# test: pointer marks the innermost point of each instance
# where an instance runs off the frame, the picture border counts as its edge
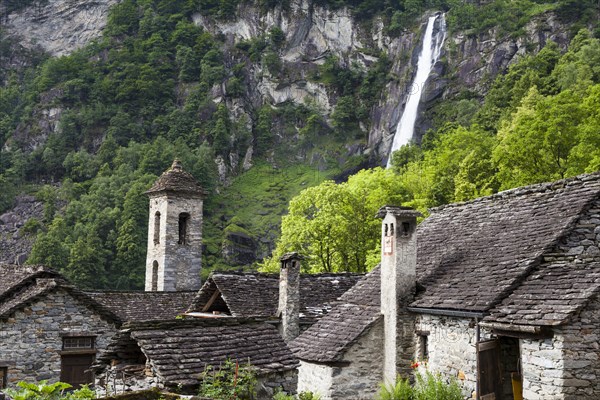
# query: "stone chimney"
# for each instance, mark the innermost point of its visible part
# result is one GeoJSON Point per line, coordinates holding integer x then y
{"type": "Point", "coordinates": [289, 296]}
{"type": "Point", "coordinates": [398, 284]}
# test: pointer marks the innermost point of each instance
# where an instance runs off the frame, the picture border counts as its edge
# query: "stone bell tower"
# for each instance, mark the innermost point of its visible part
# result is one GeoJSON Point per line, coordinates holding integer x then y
{"type": "Point", "coordinates": [173, 260]}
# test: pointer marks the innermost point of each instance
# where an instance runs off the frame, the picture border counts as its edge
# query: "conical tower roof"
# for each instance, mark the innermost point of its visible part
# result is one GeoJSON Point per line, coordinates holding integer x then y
{"type": "Point", "coordinates": [176, 180]}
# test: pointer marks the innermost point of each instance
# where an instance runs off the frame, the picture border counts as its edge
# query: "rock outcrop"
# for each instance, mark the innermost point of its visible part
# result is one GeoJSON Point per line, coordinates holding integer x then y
{"type": "Point", "coordinates": [468, 63]}
{"type": "Point", "coordinates": [15, 243]}
{"type": "Point", "coordinates": [59, 26]}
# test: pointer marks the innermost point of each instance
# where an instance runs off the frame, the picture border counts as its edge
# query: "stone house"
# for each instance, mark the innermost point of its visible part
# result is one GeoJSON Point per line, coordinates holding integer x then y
{"type": "Point", "coordinates": [500, 293]}
{"type": "Point", "coordinates": [174, 354]}
{"type": "Point", "coordinates": [50, 330]}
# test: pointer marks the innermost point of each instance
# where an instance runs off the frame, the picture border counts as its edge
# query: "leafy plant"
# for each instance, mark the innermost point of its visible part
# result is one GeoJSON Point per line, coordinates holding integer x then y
{"type": "Point", "coordinates": [49, 391]}
{"type": "Point", "coordinates": [309, 396]}
{"type": "Point", "coordinates": [228, 381]}
{"type": "Point", "coordinates": [427, 387]}
{"type": "Point", "coordinates": [400, 390]}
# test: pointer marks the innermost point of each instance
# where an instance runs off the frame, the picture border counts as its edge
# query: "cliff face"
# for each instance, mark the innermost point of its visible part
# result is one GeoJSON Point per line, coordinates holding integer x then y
{"type": "Point", "coordinates": [468, 63]}
{"type": "Point", "coordinates": [59, 26]}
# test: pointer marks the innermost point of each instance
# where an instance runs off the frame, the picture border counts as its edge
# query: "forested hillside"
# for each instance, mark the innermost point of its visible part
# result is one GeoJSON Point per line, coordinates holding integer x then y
{"type": "Point", "coordinates": [87, 133]}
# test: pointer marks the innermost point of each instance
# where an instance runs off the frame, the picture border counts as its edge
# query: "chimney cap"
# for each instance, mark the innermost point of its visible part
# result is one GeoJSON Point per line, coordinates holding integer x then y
{"type": "Point", "coordinates": [398, 211]}
{"type": "Point", "coordinates": [292, 256]}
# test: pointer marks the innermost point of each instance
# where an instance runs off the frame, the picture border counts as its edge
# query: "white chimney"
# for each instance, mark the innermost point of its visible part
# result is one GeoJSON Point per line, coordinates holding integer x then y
{"type": "Point", "coordinates": [398, 284]}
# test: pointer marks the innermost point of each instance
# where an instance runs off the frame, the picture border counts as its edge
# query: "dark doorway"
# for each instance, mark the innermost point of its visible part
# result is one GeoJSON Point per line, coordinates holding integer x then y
{"type": "Point", "coordinates": [75, 369]}
{"type": "Point", "coordinates": [3, 377]}
{"type": "Point", "coordinates": [510, 363]}
{"type": "Point", "coordinates": [489, 376]}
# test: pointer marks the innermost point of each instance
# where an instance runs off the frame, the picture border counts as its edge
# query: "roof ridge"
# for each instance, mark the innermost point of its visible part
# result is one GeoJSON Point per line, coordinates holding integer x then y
{"type": "Point", "coordinates": [524, 190]}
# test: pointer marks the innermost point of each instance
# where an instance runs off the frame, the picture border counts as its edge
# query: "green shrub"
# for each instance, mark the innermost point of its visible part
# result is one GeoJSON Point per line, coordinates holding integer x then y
{"type": "Point", "coordinates": [283, 396]}
{"type": "Point", "coordinates": [33, 225]}
{"type": "Point", "coordinates": [309, 396]}
{"type": "Point", "coordinates": [427, 387]}
{"type": "Point", "coordinates": [229, 381]}
{"type": "Point", "coordinates": [49, 391]}
{"type": "Point", "coordinates": [401, 390]}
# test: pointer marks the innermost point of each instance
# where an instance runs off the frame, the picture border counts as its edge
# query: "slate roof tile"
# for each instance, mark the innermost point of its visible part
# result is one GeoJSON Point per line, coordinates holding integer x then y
{"type": "Point", "coordinates": [12, 277]}
{"type": "Point", "coordinates": [550, 296]}
{"type": "Point", "coordinates": [180, 350]}
{"type": "Point", "coordinates": [257, 295]}
{"type": "Point", "coordinates": [470, 255]}
{"type": "Point", "coordinates": [177, 180]}
{"type": "Point", "coordinates": [144, 306]}
{"type": "Point", "coordinates": [328, 338]}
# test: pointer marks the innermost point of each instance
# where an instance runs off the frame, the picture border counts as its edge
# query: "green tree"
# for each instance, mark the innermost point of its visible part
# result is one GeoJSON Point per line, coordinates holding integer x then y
{"type": "Point", "coordinates": [334, 224]}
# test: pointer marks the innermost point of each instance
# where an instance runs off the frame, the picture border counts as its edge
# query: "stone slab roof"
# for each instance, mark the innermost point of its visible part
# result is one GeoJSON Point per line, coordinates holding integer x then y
{"type": "Point", "coordinates": [177, 180]}
{"type": "Point", "coordinates": [257, 295]}
{"type": "Point", "coordinates": [38, 288]}
{"type": "Point", "coordinates": [12, 277]}
{"type": "Point", "coordinates": [180, 350]}
{"type": "Point", "coordinates": [472, 255]}
{"type": "Point", "coordinates": [332, 335]}
{"type": "Point", "coordinates": [550, 296]}
{"type": "Point", "coordinates": [145, 306]}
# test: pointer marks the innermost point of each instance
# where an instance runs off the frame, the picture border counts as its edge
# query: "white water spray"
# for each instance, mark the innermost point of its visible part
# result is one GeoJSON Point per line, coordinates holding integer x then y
{"type": "Point", "coordinates": [432, 47]}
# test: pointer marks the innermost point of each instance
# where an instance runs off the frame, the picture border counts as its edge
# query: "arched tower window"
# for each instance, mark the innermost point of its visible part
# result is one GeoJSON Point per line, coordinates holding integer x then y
{"type": "Point", "coordinates": [184, 219]}
{"type": "Point", "coordinates": [154, 276]}
{"type": "Point", "coordinates": [157, 228]}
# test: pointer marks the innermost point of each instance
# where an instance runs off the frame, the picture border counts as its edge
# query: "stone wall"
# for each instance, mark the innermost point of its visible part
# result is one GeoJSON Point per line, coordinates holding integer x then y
{"type": "Point", "coordinates": [317, 378]}
{"type": "Point", "coordinates": [451, 348]}
{"type": "Point", "coordinates": [269, 384]}
{"type": "Point", "coordinates": [566, 366]}
{"type": "Point", "coordinates": [31, 340]}
{"type": "Point", "coordinates": [542, 365]}
{"type": "Point", "coordinates": [357, 376]}
{"type": "Point", "coordinates": [361, 378]}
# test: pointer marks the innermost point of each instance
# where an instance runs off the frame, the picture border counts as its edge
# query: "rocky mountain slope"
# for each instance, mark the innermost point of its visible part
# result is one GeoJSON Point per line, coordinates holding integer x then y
{"type": "Point", "coordinates": [313, 33]}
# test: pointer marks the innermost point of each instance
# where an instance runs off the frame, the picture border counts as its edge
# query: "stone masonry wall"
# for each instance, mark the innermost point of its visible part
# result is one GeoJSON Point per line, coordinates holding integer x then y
{"type": "Point", "coordinates": [568, 365]}
{"type": "Point", "coordinates": [361, 378]}
{"type": "Point", "coordinates": [317, 378]}
{"type": "Point", "coordinates": [542, 366]}
{"type": "Point", "coordinates": [269, 384]}
{"type": "Point", "coordinates": [356, 377]}
{"type": "Point", "coordinates": [31, 340]}
{"type": "Point", "coordinates": [451, 347]}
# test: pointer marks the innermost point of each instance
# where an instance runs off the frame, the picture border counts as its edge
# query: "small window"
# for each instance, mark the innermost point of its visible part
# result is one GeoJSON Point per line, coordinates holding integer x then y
{"type": "Point", "coordinates": [423, 347]}
{"type": "Point", "coordinates": [157, 228]}
{"type": "Point", "coordinates": [183, 228]}
{"type": "Point", "coordinates": [154, 276]}
{"type": "Point", "coordinates": [78, 343]}
{"type": "Point", "coordinates": [3, 377]}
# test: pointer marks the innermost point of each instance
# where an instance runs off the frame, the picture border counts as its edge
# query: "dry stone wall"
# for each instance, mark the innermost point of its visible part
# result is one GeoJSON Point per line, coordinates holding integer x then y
{"type": "Point", "coordinates": [31, 340]}
{"type": "Point", "coordinates": [451, 349]}
{"type": "Point", "coordinates": [567, 366]}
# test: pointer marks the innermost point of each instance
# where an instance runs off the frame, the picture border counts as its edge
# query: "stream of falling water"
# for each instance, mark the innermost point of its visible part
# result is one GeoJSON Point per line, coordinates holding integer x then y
{"type": "Point", "coordinates": [432, 47]}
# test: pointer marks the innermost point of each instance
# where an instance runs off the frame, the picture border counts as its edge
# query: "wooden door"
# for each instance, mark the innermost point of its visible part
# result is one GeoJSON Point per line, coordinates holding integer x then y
{"type": "Point", "coordinates": [489, 374]}
{"type": "Point", "coordinates": [75, 369]}
{"type": "Point", "coordinates": [3, 377]}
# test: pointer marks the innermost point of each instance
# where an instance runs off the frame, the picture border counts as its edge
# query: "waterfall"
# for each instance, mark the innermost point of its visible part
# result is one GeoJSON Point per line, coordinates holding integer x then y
{"type": "Point", "coordinates": [432, 47]}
